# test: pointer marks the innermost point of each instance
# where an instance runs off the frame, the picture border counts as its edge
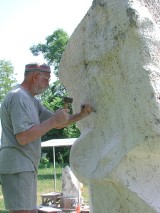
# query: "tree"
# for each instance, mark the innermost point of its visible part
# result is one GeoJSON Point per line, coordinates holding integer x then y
{"type": "Point", "coordinates": [53, 48]}
{"type": "Point", "coordinates": [7, 78]}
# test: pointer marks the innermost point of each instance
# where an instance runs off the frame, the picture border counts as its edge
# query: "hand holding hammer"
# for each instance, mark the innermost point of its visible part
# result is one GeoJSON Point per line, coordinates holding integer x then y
{"type": "Point", "coordinates": [86, 109]}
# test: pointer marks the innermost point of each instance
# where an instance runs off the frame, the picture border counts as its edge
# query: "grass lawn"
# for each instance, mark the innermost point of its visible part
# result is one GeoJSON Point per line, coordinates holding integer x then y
{"type": "Point", "coordinates": [46, 185]}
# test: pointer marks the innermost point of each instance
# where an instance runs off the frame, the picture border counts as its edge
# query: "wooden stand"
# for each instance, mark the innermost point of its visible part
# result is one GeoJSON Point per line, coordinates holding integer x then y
{"type": "Point", "coordinates": [54, 202]}
{"type": "Point", "coordinates": [51, 198]}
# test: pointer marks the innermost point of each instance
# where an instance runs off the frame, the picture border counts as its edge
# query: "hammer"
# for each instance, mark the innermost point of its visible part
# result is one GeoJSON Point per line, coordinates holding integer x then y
{"type": "Point", "coordinates": [67, 101]}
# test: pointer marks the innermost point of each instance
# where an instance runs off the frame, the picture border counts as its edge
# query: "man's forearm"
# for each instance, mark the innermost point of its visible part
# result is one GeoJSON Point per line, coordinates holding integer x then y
{"type": "Point", "coordinates": [36, 131]}
{"type": "Point", "coordinates": [73, 119]}
{"type": "Point", "coordinates": [59, 120]}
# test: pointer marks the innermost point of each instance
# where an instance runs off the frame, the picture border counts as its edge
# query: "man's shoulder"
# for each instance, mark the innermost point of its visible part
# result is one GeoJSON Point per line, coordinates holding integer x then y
{"type": "Point", "coordinates": [16, 95]}
{"type": "Point", "coordinates": [18, 92]}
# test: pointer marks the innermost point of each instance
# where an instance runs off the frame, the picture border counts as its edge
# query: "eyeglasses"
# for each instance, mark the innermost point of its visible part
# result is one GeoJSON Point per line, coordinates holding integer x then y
{"type": "Point", "coordinates": [48, 79]}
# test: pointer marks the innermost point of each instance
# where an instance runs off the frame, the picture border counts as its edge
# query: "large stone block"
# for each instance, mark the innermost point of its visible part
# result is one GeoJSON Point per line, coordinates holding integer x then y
{"type": "Point", "coordinates": [112, 61]}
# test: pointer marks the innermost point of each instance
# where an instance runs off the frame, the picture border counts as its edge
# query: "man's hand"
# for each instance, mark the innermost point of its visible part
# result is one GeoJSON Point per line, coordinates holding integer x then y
{"type": "Point", "coordinates": [86, 109]}
{"type": "Point", "coordinates": [61, 117]}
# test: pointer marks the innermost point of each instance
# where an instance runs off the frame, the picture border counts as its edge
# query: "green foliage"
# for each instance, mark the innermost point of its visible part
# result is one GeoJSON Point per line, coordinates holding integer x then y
{"type": "Point", "coordinates": [53, 48]}
{"type": "Point", "coordinates": [7, 78]}
{"type": "Point", "coordinates": [44, 160]}
{"type": "Point", "coordinates": [52, 98]}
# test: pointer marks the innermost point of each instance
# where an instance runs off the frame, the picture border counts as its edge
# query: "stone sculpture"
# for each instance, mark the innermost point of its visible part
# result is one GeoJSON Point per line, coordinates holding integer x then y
{"type": "Point", "coordinates": [71, 189]}
{"type": "Point", "coordinates": [70, 184]}
{"type": "Point", "coordinates": [112, 61]}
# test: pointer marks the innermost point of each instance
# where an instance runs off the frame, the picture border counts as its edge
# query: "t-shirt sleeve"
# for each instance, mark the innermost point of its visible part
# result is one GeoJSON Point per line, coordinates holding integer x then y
{"type": "Point", "coordinates": [21, 115]}
{"type": "Point", "coordinates": [44, 113]}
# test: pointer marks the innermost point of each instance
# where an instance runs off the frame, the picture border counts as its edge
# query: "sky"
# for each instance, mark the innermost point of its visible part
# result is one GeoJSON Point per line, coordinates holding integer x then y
{"type": "Point", "coordinates": [24, 23]}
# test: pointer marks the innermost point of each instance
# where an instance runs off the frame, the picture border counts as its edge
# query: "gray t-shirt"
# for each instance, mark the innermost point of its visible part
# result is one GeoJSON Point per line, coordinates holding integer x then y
{"type": "Point", "coordinates": [19, 112]}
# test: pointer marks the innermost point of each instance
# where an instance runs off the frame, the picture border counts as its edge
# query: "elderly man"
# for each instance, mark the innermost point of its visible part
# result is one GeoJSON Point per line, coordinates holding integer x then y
{"type": "Point", "coordinates": [24, 120]}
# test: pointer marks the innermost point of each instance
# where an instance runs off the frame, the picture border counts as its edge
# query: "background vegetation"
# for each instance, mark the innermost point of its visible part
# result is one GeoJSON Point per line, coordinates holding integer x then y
{"type": "Point", "coordinates": [7, 78]}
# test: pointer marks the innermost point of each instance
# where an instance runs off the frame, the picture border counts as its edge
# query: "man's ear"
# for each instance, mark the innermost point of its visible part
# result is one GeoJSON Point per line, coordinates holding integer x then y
{"type": "Point", "coordinates": [35, 76]}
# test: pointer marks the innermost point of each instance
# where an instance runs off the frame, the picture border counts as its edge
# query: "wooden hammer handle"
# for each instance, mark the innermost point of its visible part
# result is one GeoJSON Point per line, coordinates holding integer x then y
{"type": "Point", "coordinates": [65, 106]}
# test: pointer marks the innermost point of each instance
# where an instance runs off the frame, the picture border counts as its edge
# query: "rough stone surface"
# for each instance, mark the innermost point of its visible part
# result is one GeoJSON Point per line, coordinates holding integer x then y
{"type": "Point", "coordinates": [112, 62]}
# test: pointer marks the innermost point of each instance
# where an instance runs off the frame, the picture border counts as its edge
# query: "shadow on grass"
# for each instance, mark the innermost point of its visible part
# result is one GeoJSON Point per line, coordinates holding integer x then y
{"type": "Point", "coordinates": [48, 177]}
{"type": "Point", "coordinates": [4, 211]}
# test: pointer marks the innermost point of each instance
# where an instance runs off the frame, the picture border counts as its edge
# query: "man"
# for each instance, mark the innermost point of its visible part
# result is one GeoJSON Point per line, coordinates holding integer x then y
{"type": "Point", "coordinates": [24, 120]}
